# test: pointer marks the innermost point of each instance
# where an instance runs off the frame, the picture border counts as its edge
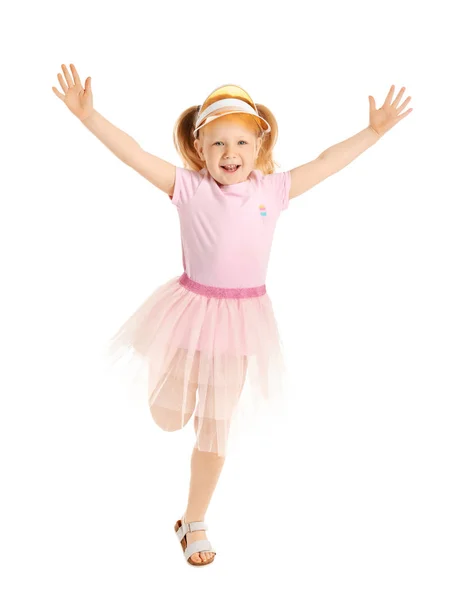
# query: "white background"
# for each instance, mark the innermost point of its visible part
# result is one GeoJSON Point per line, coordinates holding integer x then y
{"type": "Point", "coordinates": [348, 497]}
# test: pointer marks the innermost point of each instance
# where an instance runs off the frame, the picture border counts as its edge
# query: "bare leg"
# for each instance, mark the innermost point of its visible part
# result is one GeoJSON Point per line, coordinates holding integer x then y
{"type": "Point", "coordinates": [205, 471]}
{"type": "Point", "coordinates": [172, 399]}
{"type": "Point", "coordinates": [206, 466]}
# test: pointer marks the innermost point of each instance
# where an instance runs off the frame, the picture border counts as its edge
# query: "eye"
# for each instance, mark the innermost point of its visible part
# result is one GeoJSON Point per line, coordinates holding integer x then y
{"type": "Point", "coordinates": [222, 142]}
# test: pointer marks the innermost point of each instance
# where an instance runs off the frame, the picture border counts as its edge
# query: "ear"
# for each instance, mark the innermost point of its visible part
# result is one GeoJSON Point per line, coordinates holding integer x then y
{"type": "Point", "coordinates": [258, 144]}
{"type": "Point", "coordinates": [198, 147]}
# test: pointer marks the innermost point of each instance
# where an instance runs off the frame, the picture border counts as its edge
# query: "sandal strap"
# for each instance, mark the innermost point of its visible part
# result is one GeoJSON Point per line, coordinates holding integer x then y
{"type": "Point", "coordinates": [189, 527]}
{"type": "Point", "coordinates": [199, 546]}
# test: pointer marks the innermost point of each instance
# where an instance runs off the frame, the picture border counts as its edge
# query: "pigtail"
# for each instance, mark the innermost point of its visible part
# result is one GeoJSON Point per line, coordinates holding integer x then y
{"type": "Point", "coordinates": [183, 138]}
{"type": "Point", "coordinates": [265, 161]}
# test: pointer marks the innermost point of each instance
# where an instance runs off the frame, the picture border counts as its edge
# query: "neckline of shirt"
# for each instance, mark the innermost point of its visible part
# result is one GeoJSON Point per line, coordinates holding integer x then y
{"type": "Point", "coordinates": [229, 185]}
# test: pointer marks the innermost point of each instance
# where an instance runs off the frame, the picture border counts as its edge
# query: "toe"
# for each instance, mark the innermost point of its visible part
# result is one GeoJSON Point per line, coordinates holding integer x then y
{"type": "Point", "coordinates": [196, 557]}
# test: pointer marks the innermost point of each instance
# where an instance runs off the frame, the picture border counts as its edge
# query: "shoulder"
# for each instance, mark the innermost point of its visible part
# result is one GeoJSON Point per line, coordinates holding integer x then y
{"type": "Point", "coordinates": [187, 181]}
{"type": "Point", "coordinates": [190, 175]}
{"type": "Point", "coordinates": [275, 185]}
{"type": "Point", "coordinates": [271, 178]}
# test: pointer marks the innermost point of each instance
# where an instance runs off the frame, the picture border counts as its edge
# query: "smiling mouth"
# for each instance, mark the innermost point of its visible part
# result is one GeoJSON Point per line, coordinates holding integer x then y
{"type": "Point", "coordinates": [230, 170]}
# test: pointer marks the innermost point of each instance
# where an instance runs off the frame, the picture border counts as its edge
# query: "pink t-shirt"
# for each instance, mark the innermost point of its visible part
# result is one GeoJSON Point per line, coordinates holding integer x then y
{"type": "Point", "coordinates": [227, 230]}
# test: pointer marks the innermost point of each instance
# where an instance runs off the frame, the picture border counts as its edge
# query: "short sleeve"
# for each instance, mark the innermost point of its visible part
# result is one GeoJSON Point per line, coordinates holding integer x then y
{"type": "Point", "coordinates": [187, 182]}
{"type": "Point", "coordinates": [281, 187]}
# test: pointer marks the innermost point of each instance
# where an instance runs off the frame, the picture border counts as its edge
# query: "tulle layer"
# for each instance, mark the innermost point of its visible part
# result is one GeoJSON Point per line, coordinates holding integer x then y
{"type": "Point", "coordinates": [212, 353]}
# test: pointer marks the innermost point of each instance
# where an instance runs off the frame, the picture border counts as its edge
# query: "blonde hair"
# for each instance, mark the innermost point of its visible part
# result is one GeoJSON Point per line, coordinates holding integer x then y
{"type": "Point", "coordinates": [183, 137]}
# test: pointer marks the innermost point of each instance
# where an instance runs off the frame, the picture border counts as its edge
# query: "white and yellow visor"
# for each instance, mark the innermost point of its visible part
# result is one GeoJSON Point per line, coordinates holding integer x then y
{"type": "Point", "coordinates": [225, 100]}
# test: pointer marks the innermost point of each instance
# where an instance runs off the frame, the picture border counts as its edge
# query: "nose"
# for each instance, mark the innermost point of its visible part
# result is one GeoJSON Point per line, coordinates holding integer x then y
{"type": "Point", "coordinates": [229, 149]}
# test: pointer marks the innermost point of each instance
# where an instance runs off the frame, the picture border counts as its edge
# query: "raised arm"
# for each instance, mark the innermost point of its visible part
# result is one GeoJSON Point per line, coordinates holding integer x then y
{"type": "Point", "coordinates": [154, 169]}
{"type": "Point", "coordinates": [79, 100]}
{"type": "Point", "coordinates": [336, 157]}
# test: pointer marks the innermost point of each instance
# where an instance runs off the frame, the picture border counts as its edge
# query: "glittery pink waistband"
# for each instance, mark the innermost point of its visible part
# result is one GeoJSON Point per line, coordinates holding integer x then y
{"type": "Point", "coordinates": [217, 292]}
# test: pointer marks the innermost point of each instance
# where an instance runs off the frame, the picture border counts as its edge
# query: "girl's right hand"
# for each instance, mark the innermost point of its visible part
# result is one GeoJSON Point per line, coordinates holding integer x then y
{"type": "Point", "coordinates": [78, 100]}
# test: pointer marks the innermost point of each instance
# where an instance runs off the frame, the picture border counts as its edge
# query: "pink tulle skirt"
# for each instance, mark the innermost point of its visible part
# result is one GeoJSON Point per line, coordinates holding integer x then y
{"type": "Point", "coordinates": [207, 352]}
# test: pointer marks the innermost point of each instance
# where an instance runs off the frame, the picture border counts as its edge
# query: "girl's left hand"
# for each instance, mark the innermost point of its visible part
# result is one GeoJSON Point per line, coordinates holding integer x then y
{"type": "Point", "coordinates": [388, 115]}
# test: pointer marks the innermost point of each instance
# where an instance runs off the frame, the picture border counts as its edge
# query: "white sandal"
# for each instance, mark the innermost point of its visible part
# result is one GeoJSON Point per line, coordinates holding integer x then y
{"type": "Point", "coordinates": [181, 528]}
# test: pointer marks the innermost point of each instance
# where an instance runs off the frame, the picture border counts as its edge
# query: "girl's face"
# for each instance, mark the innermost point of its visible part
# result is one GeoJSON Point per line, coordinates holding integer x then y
{"type": "Point", "coordinates": [228, 141]}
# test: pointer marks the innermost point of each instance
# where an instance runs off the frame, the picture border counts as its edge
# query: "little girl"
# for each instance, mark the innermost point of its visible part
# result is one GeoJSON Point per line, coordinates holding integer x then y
{"type": "Point", "coordinates": [203, 334]}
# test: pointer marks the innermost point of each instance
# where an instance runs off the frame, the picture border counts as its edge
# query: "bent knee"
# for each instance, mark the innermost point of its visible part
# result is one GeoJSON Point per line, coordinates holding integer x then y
{"type": "Point", "coordinates": [169, 419]}
{"type": "Point", "coordinates": [171, 408]}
